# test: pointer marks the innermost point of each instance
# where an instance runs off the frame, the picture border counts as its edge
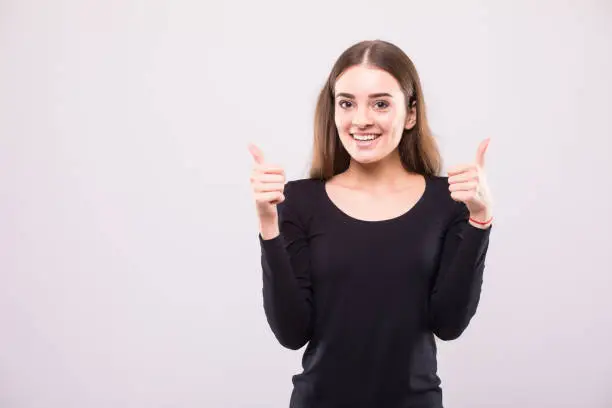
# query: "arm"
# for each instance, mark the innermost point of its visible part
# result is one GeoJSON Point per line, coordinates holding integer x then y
{"type": "Point", "coordinates": [287, 290]}
{"type": "Point", "coordinates": [458, 284]}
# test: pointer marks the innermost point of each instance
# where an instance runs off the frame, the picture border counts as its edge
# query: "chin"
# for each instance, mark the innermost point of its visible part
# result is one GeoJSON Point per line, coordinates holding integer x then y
{"type": "Point", "coordinates": [366, 158]}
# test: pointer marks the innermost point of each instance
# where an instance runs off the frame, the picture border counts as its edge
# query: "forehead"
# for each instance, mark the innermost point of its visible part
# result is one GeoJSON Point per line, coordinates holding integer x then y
{"type": "Point", "coordinates": [362, 80]}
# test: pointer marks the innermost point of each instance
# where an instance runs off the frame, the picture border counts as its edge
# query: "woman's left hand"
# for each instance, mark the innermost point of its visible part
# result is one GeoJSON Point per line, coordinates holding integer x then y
{"type": "Point", "coordinates": [468, 184]}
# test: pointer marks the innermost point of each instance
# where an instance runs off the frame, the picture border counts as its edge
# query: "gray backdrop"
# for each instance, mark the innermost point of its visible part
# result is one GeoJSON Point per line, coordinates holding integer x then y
{"type": "Point", "coordinates": [129, 260]}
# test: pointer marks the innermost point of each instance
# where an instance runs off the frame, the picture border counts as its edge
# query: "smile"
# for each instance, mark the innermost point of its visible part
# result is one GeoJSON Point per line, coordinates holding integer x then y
{"type": "Point", "coordinates": [365, 136]}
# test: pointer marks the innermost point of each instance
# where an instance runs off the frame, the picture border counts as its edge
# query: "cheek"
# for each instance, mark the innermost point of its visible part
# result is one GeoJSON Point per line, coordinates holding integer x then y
{"type": "Point", "coordinates": [397, 123]}
{"type": "Point", "coordinates": [388, 122]}
{"type": "Point", "coordinates": [342, 121]}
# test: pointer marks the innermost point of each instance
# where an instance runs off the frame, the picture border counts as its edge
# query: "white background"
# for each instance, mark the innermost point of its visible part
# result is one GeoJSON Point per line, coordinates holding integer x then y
{"type": "Point", "coordinates": [129, 260]}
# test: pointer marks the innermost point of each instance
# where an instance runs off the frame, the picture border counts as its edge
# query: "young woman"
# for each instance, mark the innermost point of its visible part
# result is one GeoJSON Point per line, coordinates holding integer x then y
{"type": "Point", "coordinates": [375, 253]}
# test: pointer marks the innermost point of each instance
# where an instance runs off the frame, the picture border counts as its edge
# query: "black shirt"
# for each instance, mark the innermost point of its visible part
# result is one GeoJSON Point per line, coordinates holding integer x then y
{"type": "Point", "coordinates": [368, 296]}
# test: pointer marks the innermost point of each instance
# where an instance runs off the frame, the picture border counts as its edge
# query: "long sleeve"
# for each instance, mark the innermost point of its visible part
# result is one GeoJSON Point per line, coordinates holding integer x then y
{"type": "Point", "coordinates": [456, 291]}
{"type": "Point", "coordinates": [287, 290]}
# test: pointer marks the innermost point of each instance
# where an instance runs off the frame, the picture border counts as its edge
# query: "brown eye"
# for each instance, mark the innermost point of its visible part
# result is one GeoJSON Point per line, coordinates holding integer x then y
{"type": "Point", "coordinates": [343, 104]}
{"type": "Point", "coordinates": [381, 105]}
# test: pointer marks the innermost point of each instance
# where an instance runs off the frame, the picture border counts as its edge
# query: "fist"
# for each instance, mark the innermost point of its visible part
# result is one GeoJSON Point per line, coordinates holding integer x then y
{"type": "Point", "coordinates": [267, 183]}
{"type": "Point", "coordinates": [468, 184]}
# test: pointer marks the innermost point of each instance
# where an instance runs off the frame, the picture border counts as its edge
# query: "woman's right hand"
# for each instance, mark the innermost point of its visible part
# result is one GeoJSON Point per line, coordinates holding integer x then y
{"type": "Point", "coordinates": [268, 184]}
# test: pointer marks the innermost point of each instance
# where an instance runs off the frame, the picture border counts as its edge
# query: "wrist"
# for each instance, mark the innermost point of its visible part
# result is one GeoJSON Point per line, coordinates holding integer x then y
{"type": "Point", "coordinates": [481, 220]}
{"type": "Point", "coordinates": [268, 227]}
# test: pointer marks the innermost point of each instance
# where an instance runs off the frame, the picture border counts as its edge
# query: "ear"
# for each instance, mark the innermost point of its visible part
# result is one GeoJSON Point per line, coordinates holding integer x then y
{"type": "Point", "coordinates": [411, 117]}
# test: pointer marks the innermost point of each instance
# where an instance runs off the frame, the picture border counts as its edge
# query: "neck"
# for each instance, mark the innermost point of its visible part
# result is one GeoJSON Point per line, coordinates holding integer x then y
{"type": "Point", "coordinates": [385, 174]}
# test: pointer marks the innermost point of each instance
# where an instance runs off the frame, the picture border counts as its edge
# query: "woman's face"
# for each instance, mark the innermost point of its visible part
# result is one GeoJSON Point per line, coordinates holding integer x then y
{"type": "Point", "coordinates": [370, 113]}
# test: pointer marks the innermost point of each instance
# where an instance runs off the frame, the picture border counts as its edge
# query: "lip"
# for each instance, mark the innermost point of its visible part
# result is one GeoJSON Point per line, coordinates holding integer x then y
{"type": "Point", "coordinates": [366, 145]}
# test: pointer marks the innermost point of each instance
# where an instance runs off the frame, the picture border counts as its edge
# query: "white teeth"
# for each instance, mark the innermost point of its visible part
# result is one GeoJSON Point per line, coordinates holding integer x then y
{"type": "Point", "coordinates": [365, 137]}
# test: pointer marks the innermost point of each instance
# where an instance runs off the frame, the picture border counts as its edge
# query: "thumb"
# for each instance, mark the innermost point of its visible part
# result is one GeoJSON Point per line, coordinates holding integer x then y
{"type": "Point", "coordinates": [257, 154]}
{"type": "Point", "coordinates": [482, 149]}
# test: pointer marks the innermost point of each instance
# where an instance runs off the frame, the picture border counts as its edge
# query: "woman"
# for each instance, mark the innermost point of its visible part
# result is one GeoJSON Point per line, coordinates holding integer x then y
{"type": "Point", "coordinates": [375, 253]}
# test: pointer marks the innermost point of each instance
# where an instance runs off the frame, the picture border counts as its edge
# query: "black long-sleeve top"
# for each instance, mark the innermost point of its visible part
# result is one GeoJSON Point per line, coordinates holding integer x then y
{"type": "Point", "coordinates": [369, 296]}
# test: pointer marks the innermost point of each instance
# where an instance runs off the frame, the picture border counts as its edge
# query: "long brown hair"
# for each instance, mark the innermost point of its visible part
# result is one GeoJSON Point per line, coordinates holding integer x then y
{"type": "Point", "coordinates": [418, 149]}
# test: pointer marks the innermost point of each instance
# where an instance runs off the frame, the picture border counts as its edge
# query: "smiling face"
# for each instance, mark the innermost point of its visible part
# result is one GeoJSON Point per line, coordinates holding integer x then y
{"type": "Point", "coordinates": [370, 113]}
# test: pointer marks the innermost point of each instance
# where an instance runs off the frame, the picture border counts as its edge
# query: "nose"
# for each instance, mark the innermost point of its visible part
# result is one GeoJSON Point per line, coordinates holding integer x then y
{"type": "Point", "coordinates": [361, 117]}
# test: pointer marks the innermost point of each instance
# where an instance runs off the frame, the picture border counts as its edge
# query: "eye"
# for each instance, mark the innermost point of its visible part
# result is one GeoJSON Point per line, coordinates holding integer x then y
{"type": "Point", "coordinates": [381, 104]}
{"type": "Point", "coordinates": [343, 104]}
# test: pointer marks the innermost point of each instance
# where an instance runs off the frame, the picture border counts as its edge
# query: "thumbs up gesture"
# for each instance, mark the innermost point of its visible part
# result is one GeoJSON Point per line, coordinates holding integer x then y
{"type": "Point", "coordinates": [468, 184]}
{"type": "Point", "coordinates": [268, 183]}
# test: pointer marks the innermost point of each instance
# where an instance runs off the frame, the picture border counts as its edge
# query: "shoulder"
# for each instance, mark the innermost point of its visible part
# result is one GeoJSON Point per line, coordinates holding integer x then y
{"type": "Point", "coordinates": [438, 187]}
{"type": "Point", "coordinates": [301, 196]}
{"type": "Point", "coordinates": [303, 190]}
{"type": "Point", "coordinates": [440, 197]}
{"type": "Point", "coordinates": [303, 186]}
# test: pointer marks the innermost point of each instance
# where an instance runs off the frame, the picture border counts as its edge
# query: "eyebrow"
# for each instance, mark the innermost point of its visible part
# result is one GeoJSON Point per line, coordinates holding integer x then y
{"type": "Point", "coordinates": [374, 95]}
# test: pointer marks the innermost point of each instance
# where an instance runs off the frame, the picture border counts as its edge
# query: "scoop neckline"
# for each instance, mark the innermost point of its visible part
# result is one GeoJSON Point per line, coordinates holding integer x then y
{"type": "Point", "coordinates": [399, 217]}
